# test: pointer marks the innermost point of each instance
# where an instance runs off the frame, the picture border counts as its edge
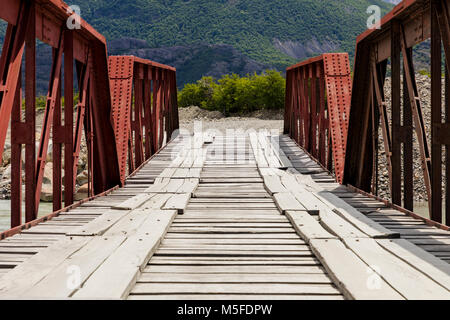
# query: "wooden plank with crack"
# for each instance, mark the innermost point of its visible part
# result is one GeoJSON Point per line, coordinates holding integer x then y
{"type": "Point", "coordinates": [58, 284]}
{"type": "Point", "coordinates": [307, 227]}
{"type": "Point", "coordinates": [356, 218]}
{"type": "Point", "coordinates": [339, 226]}
{"type": "Point", "coordinates": [168, 172]}
{"type": "Point", "coordinates": [408, 281]}
{"type": "Point", "coordinates": [194, 173]}
{"type": "Point", "coordinates": [178, 202]}
{"type": "Point", "coordinates": [189, 186]}
{"type": "Point", "coordinates": [158, 186]}
{"type": "Point", "coordinates": [100, 225]}
{"type": "Point", "coordinates": [349, 273]}
{"type": "Point", "coordinates": [418, 258]}
{"type": "Point", "coordinates": [308, 201]}
{"type": "Point", "coordinates": [115, 278]}
{"type": "Point", "coordinates": [279, 153]}
{"type": "Point", "coordinates": [158, 201]}
{"type": "Point", "coordinates": [19, 280]}
{"type": "Point", "coordinates": [287, 202]}
{"type": "Point", "coordinates": [134, 202]}
{"type": "Point", "coordinates": [273, 185]}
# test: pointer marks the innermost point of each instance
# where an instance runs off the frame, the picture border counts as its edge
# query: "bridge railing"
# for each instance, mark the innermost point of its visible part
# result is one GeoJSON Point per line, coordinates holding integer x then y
{"type": "Point", "coordinates": [144, 108]}
{"type": "Point", "coordinates": [127, 116]}
{"type": "Point", "coordinates": [79, 49]}
{"type": "Point", "coordinates": [318, 95]}
{"type": "Point", "coordinates": [410, 23]}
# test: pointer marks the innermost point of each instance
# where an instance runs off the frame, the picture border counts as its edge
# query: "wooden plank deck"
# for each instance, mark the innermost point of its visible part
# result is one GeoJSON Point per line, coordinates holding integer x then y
{"type": "Point", "coordinates": [229, 218]}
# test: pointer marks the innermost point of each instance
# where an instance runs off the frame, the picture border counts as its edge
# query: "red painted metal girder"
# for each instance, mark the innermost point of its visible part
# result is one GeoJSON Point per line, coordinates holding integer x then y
{"type": "Point", "coordinates": [318, 95]}
{"type": "Point", "coordinates": [45, 20]}
{"type": "Point", "coordinates": [339, 93]}
{"type": "Point", "coordinates": [408, 24]}
{"type": "Point", "coordinates": [144, 105]}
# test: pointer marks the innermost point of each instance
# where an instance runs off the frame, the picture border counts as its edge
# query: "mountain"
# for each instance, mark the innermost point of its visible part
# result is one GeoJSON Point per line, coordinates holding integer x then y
{"type": "Point", "coordinates": [260, 33]}
{"type": "Point", "coordinates": [213, 37]}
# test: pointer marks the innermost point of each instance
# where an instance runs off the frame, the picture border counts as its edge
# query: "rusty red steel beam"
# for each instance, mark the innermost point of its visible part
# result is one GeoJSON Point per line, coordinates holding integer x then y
{"type": "Point", "coordinates": [408, 24]}
{"type": "Point", "coordinates": [45, 20]}
{"type": "Point", "coordinates": [145, 111]}
{"type": "Point", "coordinates": [318, 94]}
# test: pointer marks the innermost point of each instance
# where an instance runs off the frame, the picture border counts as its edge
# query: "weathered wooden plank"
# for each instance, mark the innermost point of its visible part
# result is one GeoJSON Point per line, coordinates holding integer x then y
{"type": "Point", "coordinates": [116, 276]}
{"type": "Point", "coordinates": [266, 235]}
{"type": "Point", "coordinates": [194, 173]}
{"type": "Point", "coordinates": [130, 223]}
{"type": "Point", "coordinates": [256, 288]}
{"type": "Point", "coordinates": [173, 186]}
{"type": "Point", "coordinates": [230, 194]}
{"type": "Point", "coordinates": [359, 220]}
{"type": "Point", "coordinates": [349, 273]}
{"type": "Point", "coordinates": [134, 202]}
{"type": "Point", "coordinates": [168, 173]}
{"type": "Point", "coordinates": [420, 259]}
{"type": "Point", "coordinates": [19, 280]}
{"type": "Point", "coordinates": [181, 173]}
{"type": "Point", "coordinates": [231, 278]}
{"type": "Point", "coordinates": [178, 202]}
{"type": "Point", "coordinates": [234, 269]}
{"type": "Point", "coordinates": [273, 185]}
{"type": "Point", "coordinates": [307, 227]}
{"type": "Point", "coordinates": [226, 242]}
{"type": "Point", "coordinates": [287, 202]}
{"type": "Point", "coordinates": [279, 153]}
{"type": "Point", "coordinates": [306, 261]}
{"type": "Point", "coordinates": [235, 224]}
{"type": "Point", "coordinates": [232, 252]}
{"type": "Point", "coordinates": [189, 186]}
{"type": "Point", "coordinates": [311, 203]}
{"type": "Point", "coordinates": [81, 264]}
{"type": "Point", "coordinates": [408, 281]}
{"type": "Point", "coordinates": [100, 225]}
{"type": "Point", "coordinates": [338, 226]}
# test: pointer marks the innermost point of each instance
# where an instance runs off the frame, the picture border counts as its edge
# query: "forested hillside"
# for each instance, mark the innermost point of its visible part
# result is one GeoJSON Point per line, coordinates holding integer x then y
{"type": "Point", "coordinates": [217, 37]}
{"type": "Point", "coordinates": [273, 32]}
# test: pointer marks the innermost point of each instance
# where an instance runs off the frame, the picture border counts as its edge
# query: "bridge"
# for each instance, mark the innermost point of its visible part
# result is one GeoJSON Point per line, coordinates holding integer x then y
{"type": "Point", "coordinates": [209, 215]}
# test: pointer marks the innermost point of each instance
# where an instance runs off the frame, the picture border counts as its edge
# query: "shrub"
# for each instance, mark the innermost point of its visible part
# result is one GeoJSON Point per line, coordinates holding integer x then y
{"type": "Point", "coordinates": [235, 94]}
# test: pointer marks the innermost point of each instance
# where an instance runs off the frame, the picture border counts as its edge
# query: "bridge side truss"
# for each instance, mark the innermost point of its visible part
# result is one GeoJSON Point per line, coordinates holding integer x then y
{"type": "Point", "coordinates": [318, 95]}
{"type": "Point", "coordinates": [74, 53]}
{"type": "Point", "coordinates": [410, 23]}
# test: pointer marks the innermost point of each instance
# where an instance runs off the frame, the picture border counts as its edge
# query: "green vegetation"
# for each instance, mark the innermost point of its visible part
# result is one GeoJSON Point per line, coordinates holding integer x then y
{"type": "Point", "coordinates": [248, 25]}
{"type": "Point", "coordinates": [41, 101]}
{"type": "Point", "coordinates": [425, 73]}
{"type": "Point", "coordinates": [302, 27]}
{"type": "Point", "coordinates": [234, 94]}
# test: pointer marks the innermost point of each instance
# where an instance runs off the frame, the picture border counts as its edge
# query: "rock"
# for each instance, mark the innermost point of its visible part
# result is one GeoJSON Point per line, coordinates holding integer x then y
{"type": "Point", "coordinates": [82, 192]}
{"type": "Point", "coordinates": [7, 173]}
{"type": "Point", "coordinates": [6, 158]}
{"type": "Point", "coordinates": [82, 178]}
{"type": "Point", "coordinates": [47, 192]}
{"type": "Point", "coordinates": [48, 174]}
{"type": "Point", "coordinates": [49, 151]}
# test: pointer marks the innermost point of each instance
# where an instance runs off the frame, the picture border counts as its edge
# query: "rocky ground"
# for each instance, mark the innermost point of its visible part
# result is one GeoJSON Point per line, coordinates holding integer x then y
{"type": "Point", "coordinates": [214, 120]}
{"type": "Point", "coordinates": [47, 186]}
{"type": "Point", "coordinates": [420, 194]}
